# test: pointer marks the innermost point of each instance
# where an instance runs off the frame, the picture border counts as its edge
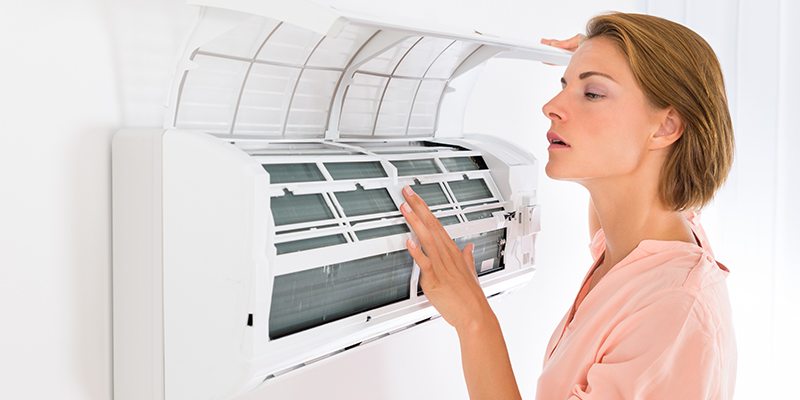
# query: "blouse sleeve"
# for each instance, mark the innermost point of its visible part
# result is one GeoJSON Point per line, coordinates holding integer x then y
{"type": "Point", "coordinates": [663, 351]}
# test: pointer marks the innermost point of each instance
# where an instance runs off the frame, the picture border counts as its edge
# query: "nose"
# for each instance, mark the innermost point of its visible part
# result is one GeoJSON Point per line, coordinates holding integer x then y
{"type": "Point", "coordinates": [553, 109]}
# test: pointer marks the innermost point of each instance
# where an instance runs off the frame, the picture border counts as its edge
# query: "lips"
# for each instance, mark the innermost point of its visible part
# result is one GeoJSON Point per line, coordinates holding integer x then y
{"type": "Point", "coordinates": [552, 138]}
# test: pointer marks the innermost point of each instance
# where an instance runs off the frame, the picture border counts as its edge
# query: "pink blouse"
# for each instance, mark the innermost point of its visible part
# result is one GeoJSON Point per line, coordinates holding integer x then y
{"type": "Point", "coordinates": [656, 326]}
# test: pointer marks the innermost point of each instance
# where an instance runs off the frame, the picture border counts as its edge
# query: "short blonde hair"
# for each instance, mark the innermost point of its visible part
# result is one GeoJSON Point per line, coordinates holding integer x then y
{"type": "Point", "coordinates": [675, 67]}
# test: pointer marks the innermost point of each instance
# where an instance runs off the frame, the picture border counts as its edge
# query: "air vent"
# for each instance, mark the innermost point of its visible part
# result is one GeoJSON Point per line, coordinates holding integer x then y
{"type": "Point", "coordinates": [319, 203]}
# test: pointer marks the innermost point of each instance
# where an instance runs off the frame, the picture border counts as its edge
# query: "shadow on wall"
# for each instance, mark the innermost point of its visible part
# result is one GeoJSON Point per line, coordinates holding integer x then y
{"type": "Point", "coordinates": [142, 39]}
{"type": "Point", "coordinates": [87, 208]}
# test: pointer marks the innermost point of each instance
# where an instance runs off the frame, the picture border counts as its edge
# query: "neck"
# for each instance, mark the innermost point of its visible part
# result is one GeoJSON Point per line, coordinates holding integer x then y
{"type": "Point", "coordinates": [629, 210]}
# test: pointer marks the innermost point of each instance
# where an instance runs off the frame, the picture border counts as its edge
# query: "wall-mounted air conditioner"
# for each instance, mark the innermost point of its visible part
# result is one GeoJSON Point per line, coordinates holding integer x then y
{"type": "Point", "coordinates": [260, 230]}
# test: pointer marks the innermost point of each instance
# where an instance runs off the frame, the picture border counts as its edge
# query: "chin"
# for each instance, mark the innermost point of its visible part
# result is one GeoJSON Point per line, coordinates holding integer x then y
{"type": "Point", "coordinates": [552, 172]}
{"type": "Point", "coordinates": [558, 175]}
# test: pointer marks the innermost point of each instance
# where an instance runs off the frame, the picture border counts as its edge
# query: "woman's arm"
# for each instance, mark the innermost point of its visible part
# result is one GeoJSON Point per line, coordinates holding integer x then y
{"type": "Point", "coordinates": [484, 358]}
{"type": "Point", "coordinates": [451, 284]}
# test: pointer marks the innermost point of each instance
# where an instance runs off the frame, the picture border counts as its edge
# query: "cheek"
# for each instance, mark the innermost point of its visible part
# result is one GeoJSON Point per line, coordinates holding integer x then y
{"type": "Point", "coordinates": [609, 148]}
{"type": "Point", "coordinates": [618, 156]}
{"type": "Point", "coordinates": [620, 150]}
{"type": "Point", "coordinates": [610, 141]}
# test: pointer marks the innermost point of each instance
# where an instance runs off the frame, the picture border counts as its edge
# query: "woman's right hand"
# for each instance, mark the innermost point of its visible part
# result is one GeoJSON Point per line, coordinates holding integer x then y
{"type": "Point", "coordinates": [447, 273]}
{"type": "Point", "coordinates": [570, 44]}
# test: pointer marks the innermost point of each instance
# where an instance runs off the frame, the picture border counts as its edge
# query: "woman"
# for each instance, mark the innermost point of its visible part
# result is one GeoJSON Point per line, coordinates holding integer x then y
{"type": "Point", "coordinates": [642, 123]}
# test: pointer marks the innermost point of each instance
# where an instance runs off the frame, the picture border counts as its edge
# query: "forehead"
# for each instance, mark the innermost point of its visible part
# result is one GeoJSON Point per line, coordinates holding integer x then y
{"type": "Point", "coordinates": [600, 55]}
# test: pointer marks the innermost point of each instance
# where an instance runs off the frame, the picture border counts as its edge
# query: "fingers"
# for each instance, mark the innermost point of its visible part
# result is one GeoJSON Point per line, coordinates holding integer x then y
{"type": "Point", "coordinates": [423, 212]}
{"type": "Point", "coordinates": [561, 44]}
{"type": "Point", "coordinates": [438, 257]}
{"type": "Point", "coordinates": [570, 44]}
{"type": "Point", "coordinates": [428, 277]}
{"type": "Point", "coordinates": [435, 240]}
{"type": "Point", "coordinates": [467, 254]}
{"type": "Point", "coordinates": [447, 249]}
{"type": "Point", "coordinates": [469, 258]}
{"type": "Point", "coordinates": [419, 257]}
{"type": "Point", "coordinates": [548, 42]}
{"type": "Point", "coordinates": [426, 239]}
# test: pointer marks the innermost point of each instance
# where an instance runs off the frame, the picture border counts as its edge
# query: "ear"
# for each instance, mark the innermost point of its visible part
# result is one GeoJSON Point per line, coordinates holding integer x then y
{"type": "Point", "coordinates": [669, 130]}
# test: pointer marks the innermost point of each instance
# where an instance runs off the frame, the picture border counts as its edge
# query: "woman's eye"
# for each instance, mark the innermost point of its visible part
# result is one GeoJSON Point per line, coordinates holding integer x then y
{"type": "Point", "coordinates": [593, 96]}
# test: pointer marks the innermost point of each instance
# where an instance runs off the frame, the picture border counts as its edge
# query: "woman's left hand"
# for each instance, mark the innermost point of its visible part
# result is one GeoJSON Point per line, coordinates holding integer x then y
{"type": "Point", "coordinates": [448, 274]}
{"type": "Point", "coordinates": [570, 44]}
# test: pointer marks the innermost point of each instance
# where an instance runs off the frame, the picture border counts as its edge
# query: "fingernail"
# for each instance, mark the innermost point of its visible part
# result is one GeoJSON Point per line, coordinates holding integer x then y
{"type": "Point", "coordinates": [411, 244]}
{"type": "Point", "coordinates": [408, 191]}
{"type": "Point", "coordinates": [405, 208]}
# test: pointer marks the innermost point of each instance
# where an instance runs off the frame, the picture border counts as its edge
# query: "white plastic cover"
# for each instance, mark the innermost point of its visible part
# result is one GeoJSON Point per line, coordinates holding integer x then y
{"type": "Point", "coordinates": [269, 78]}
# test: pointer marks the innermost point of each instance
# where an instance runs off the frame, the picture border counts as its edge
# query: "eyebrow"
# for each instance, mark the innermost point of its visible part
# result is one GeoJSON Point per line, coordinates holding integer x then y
{"type": "Point", "coordinates": [587, 74]}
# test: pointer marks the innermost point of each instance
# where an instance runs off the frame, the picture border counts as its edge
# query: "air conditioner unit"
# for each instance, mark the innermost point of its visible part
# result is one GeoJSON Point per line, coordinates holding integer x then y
{"type": "Point", "coordinates": [259, 231]}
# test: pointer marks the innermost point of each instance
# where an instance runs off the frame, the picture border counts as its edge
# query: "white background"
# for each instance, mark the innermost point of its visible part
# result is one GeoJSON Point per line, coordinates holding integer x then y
{"type": "Point", "coordinates": [73, 72]}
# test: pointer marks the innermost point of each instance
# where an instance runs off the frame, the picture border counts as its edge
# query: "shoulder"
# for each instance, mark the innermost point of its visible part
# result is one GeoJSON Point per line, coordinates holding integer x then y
{"type": "Point", "coordinates": [681, 283]}
{"type": "Point", "coordinates": [680, 265]}
{"type": "Point", "coordinates": [676, 274]}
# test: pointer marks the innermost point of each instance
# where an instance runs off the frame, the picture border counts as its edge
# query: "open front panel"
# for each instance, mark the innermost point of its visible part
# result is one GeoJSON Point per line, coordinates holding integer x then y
{"type": "Point", "coordinates": [329, 201]}
{"type": "Point", "coordinates": [273, 79]}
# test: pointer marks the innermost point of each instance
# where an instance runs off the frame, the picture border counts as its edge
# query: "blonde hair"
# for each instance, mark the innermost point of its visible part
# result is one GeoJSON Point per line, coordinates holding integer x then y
{"type": "Point", "coordinates": [675, 67]}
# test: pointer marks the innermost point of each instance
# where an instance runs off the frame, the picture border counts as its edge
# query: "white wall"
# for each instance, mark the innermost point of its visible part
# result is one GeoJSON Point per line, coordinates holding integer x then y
{"type": "Point", "coordinates": [73, 72]}
{"type": "Point", "coordinates": [59, 107]}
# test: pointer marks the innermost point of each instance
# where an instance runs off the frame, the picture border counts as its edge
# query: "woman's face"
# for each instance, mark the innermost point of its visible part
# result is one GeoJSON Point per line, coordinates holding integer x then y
{"type": "Point", "coordinates": [601, 114]}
